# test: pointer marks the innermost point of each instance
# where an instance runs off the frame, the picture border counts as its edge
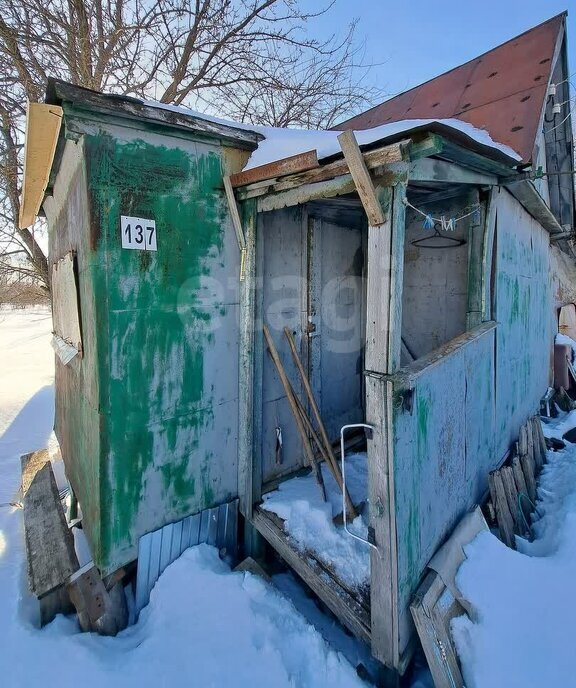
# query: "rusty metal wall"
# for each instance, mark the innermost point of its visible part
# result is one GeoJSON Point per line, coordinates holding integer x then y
{"type": "Point", "coordinates": [157, 550]}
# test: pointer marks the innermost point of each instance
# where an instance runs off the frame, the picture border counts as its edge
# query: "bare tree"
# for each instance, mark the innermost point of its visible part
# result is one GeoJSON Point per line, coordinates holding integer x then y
{"type": "Point", "coordinates": [254, 60]}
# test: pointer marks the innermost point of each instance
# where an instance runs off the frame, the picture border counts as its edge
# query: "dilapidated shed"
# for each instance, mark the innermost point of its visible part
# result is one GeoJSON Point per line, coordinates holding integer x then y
{"type": "Point", "coordinates": [412, 266]}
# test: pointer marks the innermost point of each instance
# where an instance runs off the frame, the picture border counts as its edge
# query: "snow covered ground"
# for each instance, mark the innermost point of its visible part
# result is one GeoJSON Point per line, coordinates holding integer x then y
{"type": "Point", "coordinates": [204, 626]}
{"type": "Point", "coordinates": [523, 636]}
{"type": "Point", "coordinates": [308, 519]}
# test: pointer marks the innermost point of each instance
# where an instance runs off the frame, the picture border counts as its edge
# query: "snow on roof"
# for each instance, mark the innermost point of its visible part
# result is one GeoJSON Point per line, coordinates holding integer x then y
{"type": "Point", "coordinates": [281, 143]}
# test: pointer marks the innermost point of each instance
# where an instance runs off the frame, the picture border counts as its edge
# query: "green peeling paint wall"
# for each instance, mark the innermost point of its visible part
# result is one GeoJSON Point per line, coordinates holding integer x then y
{"type": "Point", "coordinates": [157, 438]}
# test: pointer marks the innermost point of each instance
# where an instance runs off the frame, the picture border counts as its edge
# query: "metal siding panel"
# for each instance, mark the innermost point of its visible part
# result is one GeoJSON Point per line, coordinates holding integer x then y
{"type": "Point", "coordinates": [195, 529]}
{"type": "Point", "coordinates": [213, 527]}
{"type": "Point", "coordinates": [186, 533]}
{"type": "Point", "coordinates": [176, 547]}
{"type": "Point", "coordinates": [154, 568]}
{"type": "Point", "coordinates": [142, 589]}
{"type": "Point", "coordinates": [165, 549]}
{"type": "Point", "coordinates": [157, 550]}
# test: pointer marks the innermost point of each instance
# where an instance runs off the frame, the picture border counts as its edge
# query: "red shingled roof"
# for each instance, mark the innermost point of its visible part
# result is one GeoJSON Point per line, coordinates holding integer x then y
{"type": "Point", "coordinates": [502, 91]}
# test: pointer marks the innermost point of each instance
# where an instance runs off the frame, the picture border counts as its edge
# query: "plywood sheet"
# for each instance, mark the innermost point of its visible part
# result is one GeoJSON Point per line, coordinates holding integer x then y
{"type": "Point", "coordinates": [65, 312]}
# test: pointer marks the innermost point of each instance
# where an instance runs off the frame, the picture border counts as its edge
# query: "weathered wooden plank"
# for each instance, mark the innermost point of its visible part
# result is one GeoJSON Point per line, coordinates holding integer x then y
{"type": "Point", "coordinates": [398, 229]}
{"type": "Point", "coordinates": [42, 129]}
{"type": "Point", "coordinates": [530, 444]}
{"type": "Point", "coordinates": [432, 144]}
{"type": "Point", "coordinates": [383, 559]}
{"type": "Point", "coordinates": [65, 311]}
{"type": "Point", "coordinates": [475, 265]}
{"type": "Point", "coordinates": [529, 477]}
{"type": "Point", "coordinates": [539, 441]}
{"type": "Point", "coordinates": [522, 488]}
{"type": "Point", "coordinates": [442, 171]}
{"type": "Point", "coordinates": [378, 288]}
{"type": "Point", "coordinates": [433, 609]}
{"type": "Point", "coordinates": [503, 516]}
{"type": "Point", "coordinates": [348, 610]}
{"type": "Point", "coordinates": [98, 609]}
{"type": "Point", "coordinates": [309, 192]}
{"type": "Point", "coordinates": [301, 162]}
{"type": "Point", "coordinates": [527, 195]}
{"type": "Point", "coordinates": [246, 372]}
{"type": "Point", "coordinates": [234, 213]}
{"type": "Point", "coordinates": [408, 375]}
{"type": "Point", "coordinates": [374, 159]}
{"type": "Point", "coordinates": [511, 493]}
{"type": "Point", "coordinates": [132, 108]}
{"type": "Point", "coordinates": [487, 255]}
{"type": "Point", "coordinates": [362, 179]}
{"type": "Point", "coordinates": [49, 542]}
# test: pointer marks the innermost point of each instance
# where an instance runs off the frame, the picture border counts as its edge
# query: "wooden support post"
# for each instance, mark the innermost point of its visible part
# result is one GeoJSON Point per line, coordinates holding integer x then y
{"type": "Point", "coordinates": [362, 179]}
{"type": "Point", "coordinates": [382, 357]}
{"type": "Point", "coordinates": [475, 250]}
{"type": "Point", "coordinates": [246, 450]}
{"type": "Point", "coordinates": [487, 253]}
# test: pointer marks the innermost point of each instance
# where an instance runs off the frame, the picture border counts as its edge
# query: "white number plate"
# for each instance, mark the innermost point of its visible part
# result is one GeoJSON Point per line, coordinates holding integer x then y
{"type": "Point", "coordinates": [138, 233]}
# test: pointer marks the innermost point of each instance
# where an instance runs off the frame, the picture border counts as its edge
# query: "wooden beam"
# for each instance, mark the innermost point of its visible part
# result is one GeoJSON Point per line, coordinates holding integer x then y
{"type": "Point", "coordinates": [234, 214]}
{"type": "Point", "coordinates": [246, 450]}
{"type": "Point", "coordinates": [381, 495]}
{"type": "Point", "coordinates": [444, 172]}
{"type": "Point", "coordinates": [527, 195]}
{"type": "Point", "coordinates": [384, 288]}
{"type": "Point", "coordinates": [362, 179]}
{"type": "Point", "coordinates": [383, 346]}
{"type": "Point", "coordinates": [487, 254]}
{"type": "Point", "coordinates": [280, 168]}
{"type": "Point", "coordinates": [310, 192]}
{"type": "Point", "coordinates": [373, 159]}
{"type": "Point", "coordinates": [42, 131]}
{"type": "Point", "coordinates": [476, 231]}
{"type": "Point", "coordinates": [350, 612]}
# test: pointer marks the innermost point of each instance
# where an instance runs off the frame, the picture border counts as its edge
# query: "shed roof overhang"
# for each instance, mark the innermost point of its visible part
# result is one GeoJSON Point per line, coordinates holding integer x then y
{"type": "Point", "coordinates": [426, 157]}
{"type": "Point", "coordinates": [43, 132]}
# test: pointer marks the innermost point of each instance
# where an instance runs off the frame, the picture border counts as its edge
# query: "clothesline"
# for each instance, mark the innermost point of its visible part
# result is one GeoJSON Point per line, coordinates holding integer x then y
{"type": "Point", "coordinates": [447, 224]}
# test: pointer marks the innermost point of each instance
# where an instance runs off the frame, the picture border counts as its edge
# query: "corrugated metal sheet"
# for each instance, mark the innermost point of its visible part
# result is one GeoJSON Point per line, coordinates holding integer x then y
{"type": "Point", "coordinates": [502, 91]}
{"type": "Point", "coordinates": [157, 550]}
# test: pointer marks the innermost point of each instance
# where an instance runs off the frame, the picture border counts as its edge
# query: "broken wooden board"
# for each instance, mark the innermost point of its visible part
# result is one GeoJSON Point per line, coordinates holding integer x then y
{"type": "Point", "coordinates": [362, 178]}
{"type": "Point", "coordinates": [98, 609]}
{"type": "Point", "coordinates": [54, 573]}
{"type": "Point", "coordinates": [503, 515]}
{"type": "Point", "coordinates": [301, 162]}
{"type": "Point", "coordinates": [49, 542]}
{"type": "Point", "coordinates": [433, 608]}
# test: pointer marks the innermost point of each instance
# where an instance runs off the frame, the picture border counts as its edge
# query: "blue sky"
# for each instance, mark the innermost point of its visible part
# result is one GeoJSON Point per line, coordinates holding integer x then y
{"type": "Point", "coordinates": [416, 40]}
